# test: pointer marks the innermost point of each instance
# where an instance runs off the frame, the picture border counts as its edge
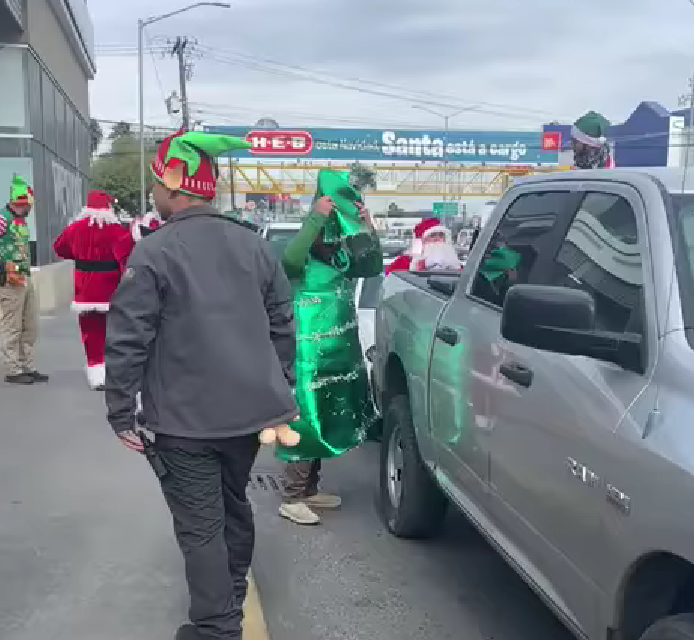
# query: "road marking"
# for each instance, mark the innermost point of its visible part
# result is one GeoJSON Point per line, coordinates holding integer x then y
{"type": "Point", "coordinates": [254, 627]}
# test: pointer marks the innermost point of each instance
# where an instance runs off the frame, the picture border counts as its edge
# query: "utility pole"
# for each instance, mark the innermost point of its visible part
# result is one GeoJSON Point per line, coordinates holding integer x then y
{"type": "Point", "coordinates": [179, 50]}
{"type": "Point", "coordinates": [685, 99]}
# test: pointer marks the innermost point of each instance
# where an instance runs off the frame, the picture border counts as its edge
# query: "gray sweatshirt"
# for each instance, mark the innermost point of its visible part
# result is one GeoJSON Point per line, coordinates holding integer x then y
{"type": "Point", "coordinates": [202, 324]}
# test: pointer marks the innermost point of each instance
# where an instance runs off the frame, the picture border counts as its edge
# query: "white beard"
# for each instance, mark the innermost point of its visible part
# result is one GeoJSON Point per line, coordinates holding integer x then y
{"type": "Point", "coordinates": [440, 255]}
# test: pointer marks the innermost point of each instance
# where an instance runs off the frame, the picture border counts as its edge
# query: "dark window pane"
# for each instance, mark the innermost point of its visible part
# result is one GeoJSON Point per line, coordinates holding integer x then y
{"type": "Point", "coordinates": [601, 255]}
{"type": "Point", "coordinates": [513, 249]}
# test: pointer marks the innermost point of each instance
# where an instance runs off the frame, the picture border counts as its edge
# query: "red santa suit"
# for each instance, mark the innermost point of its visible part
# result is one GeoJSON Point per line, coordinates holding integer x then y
{"type": "Point", "coordinates": [410, 259]}
{"type": "Point", "coordinates": [90, 240]}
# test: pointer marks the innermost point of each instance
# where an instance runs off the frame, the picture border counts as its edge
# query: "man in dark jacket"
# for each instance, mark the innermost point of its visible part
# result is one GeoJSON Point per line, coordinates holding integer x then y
{"type": "Point", "coordinates": [202, 325]}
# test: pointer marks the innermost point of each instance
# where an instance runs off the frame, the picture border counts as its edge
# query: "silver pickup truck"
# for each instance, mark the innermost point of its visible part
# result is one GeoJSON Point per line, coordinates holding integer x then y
{"type": "Point", "coordinates": [546, 391]}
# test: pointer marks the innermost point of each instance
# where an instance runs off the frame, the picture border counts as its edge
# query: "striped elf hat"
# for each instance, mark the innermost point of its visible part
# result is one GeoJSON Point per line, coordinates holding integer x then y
{"type": "Point", "coordinates": [591, 129]}
{"type": "Point", "coordinates": [185, 161]}
{"type": "Point", "coordinates": [20, 191]}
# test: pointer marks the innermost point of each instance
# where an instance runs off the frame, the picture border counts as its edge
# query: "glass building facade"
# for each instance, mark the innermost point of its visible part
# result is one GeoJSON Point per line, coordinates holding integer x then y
{"type": "Point", "coordinates": [44, 136]}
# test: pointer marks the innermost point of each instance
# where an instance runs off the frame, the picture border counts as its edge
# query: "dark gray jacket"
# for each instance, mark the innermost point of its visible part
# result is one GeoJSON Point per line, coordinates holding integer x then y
{"type": "Point", "coordinates": [202, 324]}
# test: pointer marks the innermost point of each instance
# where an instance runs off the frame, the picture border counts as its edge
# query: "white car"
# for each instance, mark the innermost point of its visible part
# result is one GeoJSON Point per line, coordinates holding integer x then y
{"type": "Point", "coordinates": [366, 297]}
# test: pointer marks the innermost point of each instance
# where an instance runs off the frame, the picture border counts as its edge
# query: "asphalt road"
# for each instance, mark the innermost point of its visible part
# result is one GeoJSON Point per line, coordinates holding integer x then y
{"type": "Point", "coordinates": [87, 552]}
{"type": "Point", "coordinates": [350, 579]}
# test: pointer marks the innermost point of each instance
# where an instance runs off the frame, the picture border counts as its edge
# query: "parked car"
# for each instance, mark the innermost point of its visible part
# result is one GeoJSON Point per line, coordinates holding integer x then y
{"type": "Point", "coordinates": [278, 234]}
{"type": "Point", "coordinates": [548, 398]}
{"type": "Point", "coordinates": [366, 296]}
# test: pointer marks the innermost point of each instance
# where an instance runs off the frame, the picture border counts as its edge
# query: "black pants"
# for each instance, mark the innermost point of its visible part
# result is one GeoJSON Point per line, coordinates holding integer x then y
{"type": "Point", "coordinates": [302, 479]}
{"type": "Point", "coordinates": [205, 489]}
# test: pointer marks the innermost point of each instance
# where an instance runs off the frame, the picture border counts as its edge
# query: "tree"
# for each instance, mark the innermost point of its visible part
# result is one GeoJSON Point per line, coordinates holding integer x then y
{"type": "Point", "coordinates": [118, 172]}
{"type": "Point", "coordinates": [96, 134]}
{"type": "Point", "coordinates": [120, 130]}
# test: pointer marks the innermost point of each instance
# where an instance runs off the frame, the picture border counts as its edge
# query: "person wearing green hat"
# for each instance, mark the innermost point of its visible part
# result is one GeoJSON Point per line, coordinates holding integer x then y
{"type": "Point", "coordinates": [336, 245]}
{"type": "Point", "coordinates": [201, 324]}
{"type": "Point", "coordinates": [589, 142]}
{"type": "Point", "coordinates": [18, 304]}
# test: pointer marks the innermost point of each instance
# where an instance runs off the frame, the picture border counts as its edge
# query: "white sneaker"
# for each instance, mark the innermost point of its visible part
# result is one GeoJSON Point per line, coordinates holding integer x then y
{"type": "Point", "coordinates": [323, 501]}
{"type": "Point", "coordinates": [298, 513]}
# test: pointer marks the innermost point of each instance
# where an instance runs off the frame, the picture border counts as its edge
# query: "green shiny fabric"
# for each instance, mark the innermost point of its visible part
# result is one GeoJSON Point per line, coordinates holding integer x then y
{"type": "Point", "coordinates": [332, 389]}
{"type": "Point", "coordinates": [331, 383]}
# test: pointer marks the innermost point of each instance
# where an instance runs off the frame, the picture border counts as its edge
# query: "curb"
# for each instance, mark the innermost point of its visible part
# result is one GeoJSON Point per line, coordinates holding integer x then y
{"type": "Point", "coordinates": [254, 627]}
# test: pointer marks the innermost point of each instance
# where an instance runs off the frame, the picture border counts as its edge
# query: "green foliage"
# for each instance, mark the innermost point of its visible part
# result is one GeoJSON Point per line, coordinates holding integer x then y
{"type": "Point", "coordinates": [96, 134]}
{"type": "Point", "coordinates": [118, 172]}
{"type": "Point", "coordinates": [120, 130]}
{"type": "Point", "coordinates": [361, 177]}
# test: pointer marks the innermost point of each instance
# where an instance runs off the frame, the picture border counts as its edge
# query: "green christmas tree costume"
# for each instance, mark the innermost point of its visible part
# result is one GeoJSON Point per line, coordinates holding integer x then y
{"type": "Point", "coordinates": [332, 389]}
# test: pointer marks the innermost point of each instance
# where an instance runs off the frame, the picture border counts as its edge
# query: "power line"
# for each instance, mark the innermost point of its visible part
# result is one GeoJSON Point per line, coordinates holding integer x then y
{"type": "Point", "coordinates": [302, 73]}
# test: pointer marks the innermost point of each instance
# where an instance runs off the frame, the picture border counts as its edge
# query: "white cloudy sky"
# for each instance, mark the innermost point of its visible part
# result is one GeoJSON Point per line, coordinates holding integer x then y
{"type": "Point", "coordinates": [522, 62]}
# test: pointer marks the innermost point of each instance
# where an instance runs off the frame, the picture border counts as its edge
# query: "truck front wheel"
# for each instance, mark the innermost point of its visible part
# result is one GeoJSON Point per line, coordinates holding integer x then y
{"type": "Point", "coordinates": [412, 505]}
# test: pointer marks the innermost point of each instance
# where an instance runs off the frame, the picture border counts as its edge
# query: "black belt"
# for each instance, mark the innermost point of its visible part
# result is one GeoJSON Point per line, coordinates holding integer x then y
{"type": "Point", "coordinates": [97, 265]}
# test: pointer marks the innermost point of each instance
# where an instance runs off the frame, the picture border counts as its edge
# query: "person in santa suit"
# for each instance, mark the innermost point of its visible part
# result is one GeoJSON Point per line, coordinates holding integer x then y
{"type": "Point", "coordinates": [432, 248]}
{"type": "Point", "coordinates": [92, 240]}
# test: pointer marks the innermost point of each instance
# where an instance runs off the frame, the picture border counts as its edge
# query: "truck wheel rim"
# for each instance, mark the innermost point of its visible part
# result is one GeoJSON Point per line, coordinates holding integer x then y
{"type": "Point", "coordinates": [395, 467]}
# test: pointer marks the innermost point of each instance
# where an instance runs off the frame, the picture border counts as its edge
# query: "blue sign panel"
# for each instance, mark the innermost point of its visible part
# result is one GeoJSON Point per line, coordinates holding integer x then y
{"type": "Point", "coordinates": [384, 145]}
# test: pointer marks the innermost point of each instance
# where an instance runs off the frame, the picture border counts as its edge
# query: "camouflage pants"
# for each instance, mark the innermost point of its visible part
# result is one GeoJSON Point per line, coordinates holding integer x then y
{"type": "Point", "coordinates": [18, 327]}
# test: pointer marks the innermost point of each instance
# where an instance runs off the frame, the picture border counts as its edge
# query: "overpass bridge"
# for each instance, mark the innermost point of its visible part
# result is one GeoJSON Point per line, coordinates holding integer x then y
{"type": "Point", "coordinates": [298, 179]}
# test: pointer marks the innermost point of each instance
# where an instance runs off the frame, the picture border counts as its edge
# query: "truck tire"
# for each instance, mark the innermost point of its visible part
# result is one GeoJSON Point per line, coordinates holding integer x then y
{"type": "Point", "coordinates": [412, 505]}
{"type": "Point", "coordinates": [679, 627]}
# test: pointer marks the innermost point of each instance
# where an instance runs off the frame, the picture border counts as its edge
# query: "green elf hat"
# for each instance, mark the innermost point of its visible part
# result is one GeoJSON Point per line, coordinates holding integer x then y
{"type": "Point", "coordinates": [344, 190]}
{"type": "Point", "coordinates": [184, 161]}
{"type": "Point", "coordinates": [499, 261]}
{"type": "Point", "coordinates": [20, 191]}
{"type": "Point", "coordinates": [591, 129]}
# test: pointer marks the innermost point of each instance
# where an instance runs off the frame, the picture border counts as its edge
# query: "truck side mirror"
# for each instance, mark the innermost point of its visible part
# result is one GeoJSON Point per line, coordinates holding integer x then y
{"type": "Point", "coordinates": [562, 320]}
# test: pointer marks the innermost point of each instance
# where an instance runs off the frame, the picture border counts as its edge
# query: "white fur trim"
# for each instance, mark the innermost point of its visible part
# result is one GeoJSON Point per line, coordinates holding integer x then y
{"type": "Point", "coordinates": [577, 134]}
{"type": "Point", "coordinates": [416, 247]}
{"type": "Point", "coordinates": [437, 229]}
{"type": "Point", "coordinates": [135, 230]}
{"type": "Point", "coordinates": [85, 307]}
{"type": "Point", "coordinates": [96, 375]}
{"type": "Point", "coordinates": [99, 217]}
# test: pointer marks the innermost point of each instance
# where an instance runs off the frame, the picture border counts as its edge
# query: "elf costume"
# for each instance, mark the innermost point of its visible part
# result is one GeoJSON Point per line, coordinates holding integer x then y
{"type": "Point", "coordinates": [18, 304]}
{"type": "Point", "coordinates": [92, 240]}
{"type": "Point", "coordinates": [589, 136]}
{"type": "Point", "coordinates": [322, 261]}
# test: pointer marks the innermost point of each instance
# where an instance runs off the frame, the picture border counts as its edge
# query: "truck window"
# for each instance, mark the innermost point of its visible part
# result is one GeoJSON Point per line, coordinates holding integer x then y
{"type": "Point", "coordinates": [516, 243]}
{"type": "Point", "coordinates": [601, 255]}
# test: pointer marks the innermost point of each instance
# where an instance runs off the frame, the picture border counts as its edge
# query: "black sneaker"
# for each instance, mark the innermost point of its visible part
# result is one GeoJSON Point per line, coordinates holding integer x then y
{"type": "Point", "coordinates": [37, 377]}
{"type": "Point", "coordinates": [19, 378]}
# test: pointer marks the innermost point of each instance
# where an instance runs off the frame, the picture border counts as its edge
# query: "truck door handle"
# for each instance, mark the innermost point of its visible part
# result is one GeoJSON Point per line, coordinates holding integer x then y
{"type": "Point", "coordinates": [447, 335]}
{"type": "Point", "coordinates": [517, 373]}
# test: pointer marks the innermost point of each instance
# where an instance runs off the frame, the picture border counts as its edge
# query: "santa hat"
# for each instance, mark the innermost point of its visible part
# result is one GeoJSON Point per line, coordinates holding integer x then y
{"type": "Point", "coordinates": [591, 129]}
{"type": "Point", "coordinates": [99, 209]}
{"type": "Point", "coordinates": [20, 191]}
{"type": "Point", "coordinates": [143, 226]}
{"type": "Point", "coordinates": [424, 229]}
{"type": "Point", "coordinates": [184, 161]}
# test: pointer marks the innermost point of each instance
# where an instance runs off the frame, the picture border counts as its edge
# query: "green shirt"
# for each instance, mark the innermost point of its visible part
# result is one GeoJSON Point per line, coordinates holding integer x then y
{"type": "Point", "coordinates": [14, 241]}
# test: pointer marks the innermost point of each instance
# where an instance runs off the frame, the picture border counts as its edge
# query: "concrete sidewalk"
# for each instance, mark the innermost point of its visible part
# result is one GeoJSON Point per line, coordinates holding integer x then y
{"type": "Point", "coordinates": [86, 546]}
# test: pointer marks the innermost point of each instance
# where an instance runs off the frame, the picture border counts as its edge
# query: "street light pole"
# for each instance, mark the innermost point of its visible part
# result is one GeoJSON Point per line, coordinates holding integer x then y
{"type": "Point", "coordinates": [141, 24]}
{"type": "Point", "coordinates": [446, 118]}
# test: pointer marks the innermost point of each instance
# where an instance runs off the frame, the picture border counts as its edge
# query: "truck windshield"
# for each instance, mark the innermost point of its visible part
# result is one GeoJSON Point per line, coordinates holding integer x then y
{"type": "Point", "coordinates": [683, 241]}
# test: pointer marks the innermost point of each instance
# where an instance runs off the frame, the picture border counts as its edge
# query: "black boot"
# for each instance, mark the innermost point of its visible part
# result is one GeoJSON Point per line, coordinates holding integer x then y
{"type": "Point", "coordinates": [38, 377]}
{"type": "Point", "coordinates": [188, 632]}
{"type": "Point", "coordinates": [19, 378]}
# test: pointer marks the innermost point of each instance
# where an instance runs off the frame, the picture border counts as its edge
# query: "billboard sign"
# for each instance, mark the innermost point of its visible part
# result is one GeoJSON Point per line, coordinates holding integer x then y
{"type": "Point", "coordinates": [387, 145]}
{"type": "Point", "coordinates": [445, 208]}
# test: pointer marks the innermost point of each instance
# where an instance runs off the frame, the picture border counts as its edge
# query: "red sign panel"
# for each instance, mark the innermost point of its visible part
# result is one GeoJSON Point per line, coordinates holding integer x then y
{"type": "Point", "coordinates": [551, 141]}
{"type": "Point", "coordinates": [281, 143]}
